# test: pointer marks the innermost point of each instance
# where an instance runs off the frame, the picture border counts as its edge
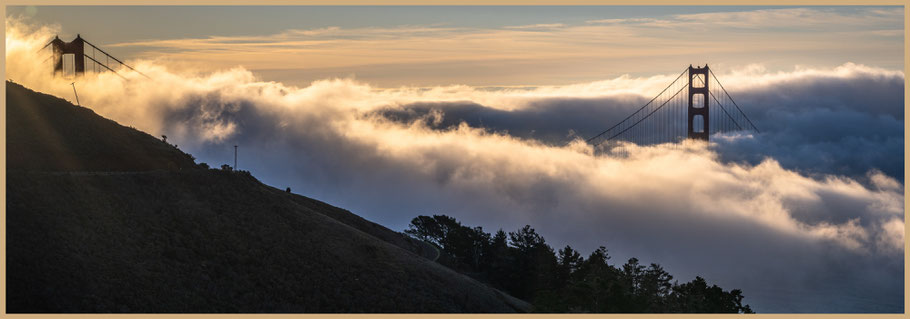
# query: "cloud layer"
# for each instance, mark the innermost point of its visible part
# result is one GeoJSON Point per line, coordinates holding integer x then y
{"type": "Point", "coordinates": [794, 235]}
{"type": "Point", "coordinates": [842, 121]}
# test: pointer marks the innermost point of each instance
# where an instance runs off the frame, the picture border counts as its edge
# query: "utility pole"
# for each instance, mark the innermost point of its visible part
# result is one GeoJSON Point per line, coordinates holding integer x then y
{"type": "Point", "coordinates": [74, 93]}
{"type": "Point", "coordinates": [235, 157]}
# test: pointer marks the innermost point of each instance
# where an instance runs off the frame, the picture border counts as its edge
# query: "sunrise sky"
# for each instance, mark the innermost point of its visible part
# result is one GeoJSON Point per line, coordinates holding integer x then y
{"type": "Point", "coordinates": [495, 46]}
{"type": "Point", "coordinates": [806, 216]}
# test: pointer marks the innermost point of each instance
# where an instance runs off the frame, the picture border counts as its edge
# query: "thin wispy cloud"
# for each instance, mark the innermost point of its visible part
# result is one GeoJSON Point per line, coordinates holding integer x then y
{"type": "Point", "coordinates": [539, 26]}
{"type": "Point", "coordinates": [674, 40]}
{"type": "Point", "coordinates": [805, 19]}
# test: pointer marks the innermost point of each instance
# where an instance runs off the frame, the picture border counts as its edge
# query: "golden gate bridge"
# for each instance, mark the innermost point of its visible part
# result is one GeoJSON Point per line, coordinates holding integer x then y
{"type": "Point", "coordinates": [687, 108]}
{"type": "Point", "coordinates": [71, 58]}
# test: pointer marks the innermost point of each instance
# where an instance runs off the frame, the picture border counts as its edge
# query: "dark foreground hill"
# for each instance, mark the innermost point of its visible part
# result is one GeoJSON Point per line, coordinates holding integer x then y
{"type": "Point", "coordinates": [105, 218]}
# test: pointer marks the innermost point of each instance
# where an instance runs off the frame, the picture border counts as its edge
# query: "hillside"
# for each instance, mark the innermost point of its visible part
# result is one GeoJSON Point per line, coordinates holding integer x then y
{"type": "Point", "coordinates": [105, 218]}
{"type": "Point", "coordinates": [48, 133]}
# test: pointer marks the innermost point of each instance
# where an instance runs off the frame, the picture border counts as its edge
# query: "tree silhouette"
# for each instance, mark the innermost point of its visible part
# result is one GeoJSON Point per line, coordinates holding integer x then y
{"type": "Point", "coordinates": [522, 264]}
{"type": "Point", "coordinates": [569, 261]}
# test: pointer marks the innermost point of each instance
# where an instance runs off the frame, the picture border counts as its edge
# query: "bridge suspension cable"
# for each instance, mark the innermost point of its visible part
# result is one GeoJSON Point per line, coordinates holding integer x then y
{"type": "Point", "coordinates": [113, 58]}
{"type": "Point", "coordinates": [722, 108]}
{"type": "Point", "coordinates": [643, 118]}
{"type": "Point", "coordinates": [636, 111]}
{"type": "Point", "coordinates": [732, 101]}
{"type": "Point", "coordinates": [669, 117]}
{"type": "Point", "coordinates": [62, 51]}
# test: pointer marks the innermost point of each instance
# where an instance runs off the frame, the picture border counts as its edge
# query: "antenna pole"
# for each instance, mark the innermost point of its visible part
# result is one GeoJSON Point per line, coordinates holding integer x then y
{"type": "Point", "coordinates": [235, 157]}
{"type": "Point", "coordinates": [74, 93]}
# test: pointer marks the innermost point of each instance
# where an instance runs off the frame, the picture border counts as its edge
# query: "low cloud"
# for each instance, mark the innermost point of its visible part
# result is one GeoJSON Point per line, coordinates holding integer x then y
{"type": "Point", "coordinates": [843, 121]}
{"type": "Point", "coordinates": [793, 238]}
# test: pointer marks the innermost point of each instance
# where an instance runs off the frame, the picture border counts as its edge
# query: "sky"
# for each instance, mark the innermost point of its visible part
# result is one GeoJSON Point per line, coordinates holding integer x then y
{"type": "Point", "coordinates": [480, 113]}
{"type": "Point", "coordinates": [489, 46]}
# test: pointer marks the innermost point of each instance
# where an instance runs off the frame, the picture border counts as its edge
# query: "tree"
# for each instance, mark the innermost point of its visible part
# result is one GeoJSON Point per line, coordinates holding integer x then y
{"type": "Point", "coordinates": [569, 260]}
{"type": "Point", "coordinates": [499, 261]}
{"type": "Point", "coordinates": [599, 289]}
{"type": "Point", "coordinates": [525, 239]}
{"type": "Point", "coordinates": [631, 276]}
{"type": "Point", "coordinates": [464, 246]}
{"type": "Point", "coordinates": [654, 288]}
{"type": "Point", "coordinates": [500, 240]}
{"type": "Point", "coordinates": [535, 262]}
{"type": "Point", "coordinates": [697, 297]}
{"type": "Point", "coordinates": [597, 261]}
{"type": "Point", "coordinates": [560, 297]}
{"type": "Point", "coordinates": [425, 228]}
{"type": "Point", "coordinates": [479, 241]}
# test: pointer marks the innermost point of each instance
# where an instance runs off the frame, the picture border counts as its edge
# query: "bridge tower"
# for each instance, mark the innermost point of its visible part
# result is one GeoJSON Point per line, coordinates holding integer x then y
{"type": "Point", "coordinates": [698, 103]}
{"type": "Point", "coordinates": [76, 48]}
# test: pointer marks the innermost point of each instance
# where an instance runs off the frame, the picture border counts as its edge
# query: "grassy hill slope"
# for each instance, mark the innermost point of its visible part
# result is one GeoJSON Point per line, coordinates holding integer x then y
{"type": "Point", "coordinates": [44, 132]}
{"type": "Point", "coordinates": [104, 218]}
